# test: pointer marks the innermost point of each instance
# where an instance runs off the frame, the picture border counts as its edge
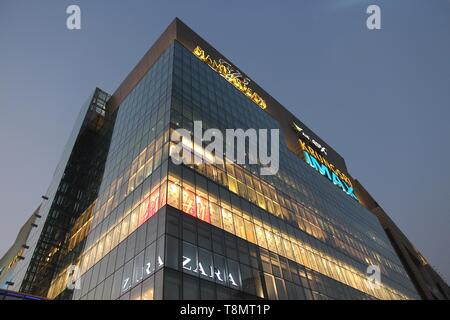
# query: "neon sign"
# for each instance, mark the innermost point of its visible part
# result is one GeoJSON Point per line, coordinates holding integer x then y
{"type": "Point", "coordinates": [322, 165]}
{"type": "Point", "coordinates": [233, 76]}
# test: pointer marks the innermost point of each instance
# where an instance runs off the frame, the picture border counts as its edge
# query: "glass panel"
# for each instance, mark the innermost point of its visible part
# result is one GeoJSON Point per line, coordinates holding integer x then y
{"type": "Point", "coordinates": [149, 261]}
{"type": "Point", "coordinates": [205, 264]}
{"type": "Point", "coordinates": [215, 215]}
{"type": "Point", "coordinates": [173, 197]}
{"type": "Point", "coordinates": [228, 221]}
{"type": "Point", "coordinates": [203, 209]}
{"type": "Point", "coordinates": [190, 259]}
{"type": "Point", "coordinates": [239, 226]}
{"type": "Point", "coordinates": [127, 276]}
{"type": "Point", "coordinates": [148, 289]}
{"type": "Point", "coordinates": [189, 202]}
{"type": "Point", "coordinates": [138, 269]}
{"type": "Point", "coordinates": [234, 275]}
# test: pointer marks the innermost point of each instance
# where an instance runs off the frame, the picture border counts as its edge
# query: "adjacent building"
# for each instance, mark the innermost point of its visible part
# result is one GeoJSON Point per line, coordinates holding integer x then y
{"type": "Point", "coordinates": [122, 221]}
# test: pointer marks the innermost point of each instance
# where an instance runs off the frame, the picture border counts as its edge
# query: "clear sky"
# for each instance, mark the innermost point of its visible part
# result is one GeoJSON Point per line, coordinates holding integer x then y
{"type": "Point", "coordinates": [380, 98]}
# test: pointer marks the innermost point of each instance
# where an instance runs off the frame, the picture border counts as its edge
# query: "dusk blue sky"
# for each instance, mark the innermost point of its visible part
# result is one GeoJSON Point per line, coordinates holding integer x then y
{"type": "Point", "coordinates": [380, 98]}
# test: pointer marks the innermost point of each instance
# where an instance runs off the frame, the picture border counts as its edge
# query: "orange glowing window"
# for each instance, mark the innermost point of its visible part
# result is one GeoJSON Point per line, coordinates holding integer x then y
{"type": "Point", "coordinates": [189, 202]}
{"type": "Point", "coordinates": [203, 209]}
{"type": "Point", "coordinates": [153, 206]}
{"type": "Point", "coordinates": [173, 195]}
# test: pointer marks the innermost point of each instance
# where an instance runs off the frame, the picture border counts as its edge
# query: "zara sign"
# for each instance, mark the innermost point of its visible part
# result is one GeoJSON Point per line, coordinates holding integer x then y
{"type": "Point", "coordinates": [200, 262]}
{"type": "Point", "coordinates": [208, 271]}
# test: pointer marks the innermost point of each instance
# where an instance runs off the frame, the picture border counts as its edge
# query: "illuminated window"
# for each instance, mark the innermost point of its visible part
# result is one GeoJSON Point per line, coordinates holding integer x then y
{"type": "Point", "coordinates": [260, 237]}
{"type": "Point", "coordinates": [279, 244]}
{"type": "Point", "coordinates": [250, 231]}
{"type": "Point", "coordinates": [148, 167]}
{"type": "Point", "coordinates": [189, 202]}
{"type": "Point", "coordinates": [288, 249]}
{"type": "Point", "coordinates": [215, 215]}
{"type": "Point", "coordinates": [162, 194]}
{"type": "Point", "coordinates": [143, 209]}
{"type": "Point", "coordinates": [211, 172]}
{"type": "Point", "coordinates": [108, 241]}
{"type": "Point", "coordinates": [228, 221]}
{"type": "Point", "coordinates": [131, 183]}
{"type": "Point", "coordinates": [251, 195]}
{"type": "Point", "coordinates": [124, 228]}
{"type": "Point", "coordinates": [116, 236]}
{"type": "Point", "coordinates": [203, 209]}
{"type": "Point", "coordinates": [173, 196]}
{"type": "Point", "coordinates": [232, 185]}
{"type": "Point", "coordinates": [270, 206]}
{"type": "Point", "coordinates": [148, 289]}
{"type": "Point", "coordinates": [242, 190]}
{"type": "Point", "coordinates": [239, 226]}
{"type": "Point", "coordinates": [157, 159]}
{"type": "Point", "coordinates": [140, 176]}
{"type": "Point", "coordinates": [271, 241]}
{"type": "Point", "coordinates": [152, 205]}
{"type": "Point", "coordinates": [257, 185]}
{"type": "Point", "coordinates": [261, 202]}
{"type": "Point", "coordinates": [134, 219]}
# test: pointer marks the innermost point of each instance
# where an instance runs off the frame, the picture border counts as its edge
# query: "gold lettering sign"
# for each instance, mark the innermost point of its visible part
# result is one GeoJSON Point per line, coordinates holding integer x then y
{"type": "Point", "coordinates": [324, 161]}
{"type": "Point", "coordinates": [230, 75]}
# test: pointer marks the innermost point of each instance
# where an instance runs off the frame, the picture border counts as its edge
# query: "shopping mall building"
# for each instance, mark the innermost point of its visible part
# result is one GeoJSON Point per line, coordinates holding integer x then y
{"type": "Point", "coordinates": [121, 220]}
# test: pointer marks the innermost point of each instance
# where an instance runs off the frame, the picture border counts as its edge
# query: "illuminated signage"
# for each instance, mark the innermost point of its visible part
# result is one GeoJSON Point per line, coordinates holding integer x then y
{"type": "Point", "coordinates": [314, 142]}
{"type": "Point", "coordinates": [132, 277]}
{"type": "Point", "coordinates": [209, 266]}
{"type": "Point", "coordinates": [209, 271]}
{"type": "Point", "coordinates": [230, 74]}
{"type": "Point", "coordinates": [322, 165]}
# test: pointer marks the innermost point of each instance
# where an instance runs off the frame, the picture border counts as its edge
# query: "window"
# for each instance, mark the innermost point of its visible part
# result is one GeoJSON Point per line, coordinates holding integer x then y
{"type": "Point", "coordinates": [124, 228]}
{"type": "Point", "coordinates": [190, 288]}
{"type": "Point", "coordinates": [220, 271]}
{"type": "Point", "coordinates": [134, 219]}
{"type": "Point", "coordinates": [173, 196]}
{"type": "Point", "coordinates": [203, 209]}
{"type": "Point", "coordinates": [239, 226]}
{"type": "Point", "coordinates": [205, 264]}
{"type": "Point", "coordinates": [250, 231]}
{"type": "Point", "coordinates": [189, 202]}
{"type": "Point", "coordinates": [234, 275]}
{"type": "Point", "coordinates": [271, 291]}
{"type": "Point", "coordinates": [149, 261]}
{"type": "Point", "coordinates": [127, 276]}
{"type": "Point", "coordinates": [148, 289]}
{"type": "Point", "coordinates": [260, 237]}
{"type": "Point", "coordinates": [171, 256]}
{"type": "Point", "coordinates": [138, 269]}
{"type": "Point", "coordinates": [215, 215]}
{"type": "Point", "coordinates": [189, 259]}
{"type": "Point", "coordinates": [228, 221]}
{"type": "Point", "coordinates": [135, 293]}
{"type": "Point", "coordinates": [143, 210]}
{"type": "Point", "coordinates": [152, 205]}
{"type": "Point", "coordinates": [117, 283]}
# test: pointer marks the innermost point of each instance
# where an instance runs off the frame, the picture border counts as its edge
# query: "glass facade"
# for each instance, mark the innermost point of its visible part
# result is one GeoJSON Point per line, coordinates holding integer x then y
{"type": "Point", "coordinates": [122, 221]}
{"type": "Point", "coordinates": [73, 188]}
{"type": "Point", "coordinates": [163, 231]}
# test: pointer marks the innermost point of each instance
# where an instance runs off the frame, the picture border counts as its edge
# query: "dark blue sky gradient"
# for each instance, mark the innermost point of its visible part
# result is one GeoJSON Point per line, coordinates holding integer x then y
{"type": "Point", "coordinates": [380, 98]}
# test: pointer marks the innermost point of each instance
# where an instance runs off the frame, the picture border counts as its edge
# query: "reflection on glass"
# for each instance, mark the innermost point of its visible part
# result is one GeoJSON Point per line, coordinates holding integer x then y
{"type": "Point", "coordinates": [148, 289]}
